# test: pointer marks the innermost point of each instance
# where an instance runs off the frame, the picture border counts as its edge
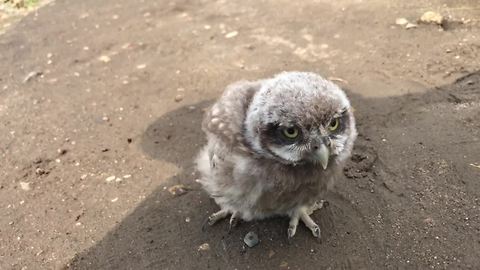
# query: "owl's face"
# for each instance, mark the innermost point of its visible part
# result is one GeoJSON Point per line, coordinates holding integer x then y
{"type": "Point", "coordinates": [298, 118]}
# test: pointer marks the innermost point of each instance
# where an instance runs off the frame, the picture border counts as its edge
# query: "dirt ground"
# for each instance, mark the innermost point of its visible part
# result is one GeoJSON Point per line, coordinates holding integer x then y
{"type": "Point", "coordinates": [100, 110]}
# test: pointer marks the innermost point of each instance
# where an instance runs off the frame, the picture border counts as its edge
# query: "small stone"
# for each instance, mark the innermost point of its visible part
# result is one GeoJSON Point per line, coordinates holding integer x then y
{"type": "Point", "coordinates": [207, 26]}
{"type": "Point", "coordinates": [49, 55]}
{"type": "Point", "coordinates": [251, 239]}
{"type": "Point", "coordinates": [115, 17]}
{"type": "Point", "coordinates": [187, 219]}
{"type": "Point", "coordinates": [83, 177]}
{"type": "Point", "coordinates": [39, 171]}
{"type": "Point", "coordinates": [126, 176]}
{"type": "Point", "coordinates": [178, 98]}
{"type": "Point", "coordinates": [432, 17]}
{"type": "Point", "coordinates": [429, 221]}
{"type": "Point", "coordinates": [410, 26]}
{"type": "Point", "coordinates": [25, 186]}
{"type": "Point", "coordinates": [141, 66]}
{"type": "Point", "coordinates": [110, 178]}
{"type": "Point", "coordinates": [32, 75]}
{"type": "Point", "coordinates": [231, 34]}
{"type": "Point", "coordinates": [114, 199]}
{"type": "Point", "coordinates": [177, 190]}
{"type": "Point", "coordinates": [105, 118]}
{"type": "Point", "coordinates": [204, 247]}
{"type": "Point", "coordinates": [308, 37]}
{"type": "Point", "coordinates": [118, 179]}
{"type": "Point", "coordinates": [78, 224]}
{"type": "Point", "coordinates": [104, 58]}
{"type": "Point", "coordinates": [401, 21]}
{"type": "Point", "coordinates": [284, 264]}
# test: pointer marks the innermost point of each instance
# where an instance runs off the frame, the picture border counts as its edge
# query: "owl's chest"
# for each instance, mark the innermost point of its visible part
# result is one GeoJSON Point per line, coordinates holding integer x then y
{"type": "Point", "coordinates": [265, 190]}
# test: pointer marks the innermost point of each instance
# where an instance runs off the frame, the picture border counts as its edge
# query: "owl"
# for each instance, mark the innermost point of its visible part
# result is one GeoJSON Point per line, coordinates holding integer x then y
{"type": "Point", "coordinates": [274, 146]}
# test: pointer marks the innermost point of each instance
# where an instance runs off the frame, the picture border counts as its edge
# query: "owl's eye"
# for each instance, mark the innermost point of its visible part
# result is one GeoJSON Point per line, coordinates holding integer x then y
{"type": "Point", "coordinates": [291, 132]}
{"type": "Point", "coordinates": [334, 124]}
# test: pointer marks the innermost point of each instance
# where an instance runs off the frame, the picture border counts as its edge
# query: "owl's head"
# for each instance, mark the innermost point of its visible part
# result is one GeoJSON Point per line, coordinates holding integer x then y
{"type": "Point", "coordinates": [298, 118]}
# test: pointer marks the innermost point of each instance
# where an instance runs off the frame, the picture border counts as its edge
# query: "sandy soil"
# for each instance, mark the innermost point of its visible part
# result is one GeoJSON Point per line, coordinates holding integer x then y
{"type": "Point", "coordinates": [95, 89]}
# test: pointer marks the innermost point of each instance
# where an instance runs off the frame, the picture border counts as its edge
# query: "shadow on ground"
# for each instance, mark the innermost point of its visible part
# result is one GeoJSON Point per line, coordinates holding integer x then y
{"type": "Point", "coordinates": [410, 149]}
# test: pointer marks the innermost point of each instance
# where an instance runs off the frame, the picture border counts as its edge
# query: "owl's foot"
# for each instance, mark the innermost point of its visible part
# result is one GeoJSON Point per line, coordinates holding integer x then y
{"type": "Point", "coordinates": [234, 219]}
{"type": "Point", "coordinates": [215, 217]}
{"type": "Point", "coordinates": [292, 225]}
{"type": "Point", "coordinates": [304, 215]}
{"type": "Point", "coordinates": [308, 221]}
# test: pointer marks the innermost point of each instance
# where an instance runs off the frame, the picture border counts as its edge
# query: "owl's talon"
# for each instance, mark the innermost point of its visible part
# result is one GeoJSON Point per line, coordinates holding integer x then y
{"type": "Point", "coordinates": [291, 232]}
{"type": "Point", "coordinates": [215, 217]}
{"type": "Point", "coordinates": [325, 203]}
{"type": "Point", "coordinates": [205, 223]}
{"type": "Point", "coordinates": [234, 219]}
{"type": "Point", "coordinates": [316, 231]}
{"type": "Point", "coordinates": [292, 225]}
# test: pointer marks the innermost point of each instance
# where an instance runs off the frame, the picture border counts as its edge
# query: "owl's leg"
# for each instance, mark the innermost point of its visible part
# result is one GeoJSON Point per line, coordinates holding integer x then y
{"type": "Point", "coordinates": [234, 219]}
{"type": "Point", "coordinates": [292, 226]}
{"type": "Point", "coordinates": [213, 218]}
{"type": "Point", "coordinates": [308, 221]}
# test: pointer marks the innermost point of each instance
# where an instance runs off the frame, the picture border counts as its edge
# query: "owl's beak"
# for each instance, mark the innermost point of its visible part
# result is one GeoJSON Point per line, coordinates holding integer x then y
{"type": "Point", "coordinates": [323, 154]}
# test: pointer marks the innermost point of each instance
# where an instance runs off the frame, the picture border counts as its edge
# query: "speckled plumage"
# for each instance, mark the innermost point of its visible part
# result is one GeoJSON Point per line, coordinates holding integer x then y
{"type": "Point", "coordinates": [252, 166]}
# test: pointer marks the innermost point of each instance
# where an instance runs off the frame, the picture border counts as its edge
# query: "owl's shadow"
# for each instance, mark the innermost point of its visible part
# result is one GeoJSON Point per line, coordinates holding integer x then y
{"type": "Point", "coordinates": [165, 231]}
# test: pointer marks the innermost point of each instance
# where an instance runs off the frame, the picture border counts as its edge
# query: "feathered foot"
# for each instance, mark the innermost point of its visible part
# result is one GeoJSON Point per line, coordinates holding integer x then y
{"type": "Point", "coordinates": [303, 213]}
{"type": "Point", "coordinates": [222, 214]}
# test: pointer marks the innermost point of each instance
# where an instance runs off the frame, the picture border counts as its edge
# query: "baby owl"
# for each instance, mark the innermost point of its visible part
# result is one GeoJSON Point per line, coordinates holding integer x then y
{"type": "Point", "coordinates": [274, 146]}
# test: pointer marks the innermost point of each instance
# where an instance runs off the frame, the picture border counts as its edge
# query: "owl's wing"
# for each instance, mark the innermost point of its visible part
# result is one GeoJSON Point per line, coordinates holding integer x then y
{"type": "Point", "coordinates": [225, 118]}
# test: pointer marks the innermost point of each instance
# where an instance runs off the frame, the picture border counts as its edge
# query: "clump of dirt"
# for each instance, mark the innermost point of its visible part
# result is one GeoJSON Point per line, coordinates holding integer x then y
{"type": "Point", "coordinates": [11, 11]}
{"type": "Point", "coordinates": [362, 161]}
{"type": "Point", "coordinates": [21, 3]}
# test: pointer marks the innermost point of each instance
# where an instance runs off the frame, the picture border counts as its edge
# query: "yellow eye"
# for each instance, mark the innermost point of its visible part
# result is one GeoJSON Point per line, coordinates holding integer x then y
{"type": "Point", "coordinates": [291, 132]}
{"type": "Point", "coordinates": [334, 124]}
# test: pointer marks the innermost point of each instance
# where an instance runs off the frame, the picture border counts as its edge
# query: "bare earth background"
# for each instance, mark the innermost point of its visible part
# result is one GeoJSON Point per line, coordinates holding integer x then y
{"type": "Point", "coordinates": [100, 110]}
